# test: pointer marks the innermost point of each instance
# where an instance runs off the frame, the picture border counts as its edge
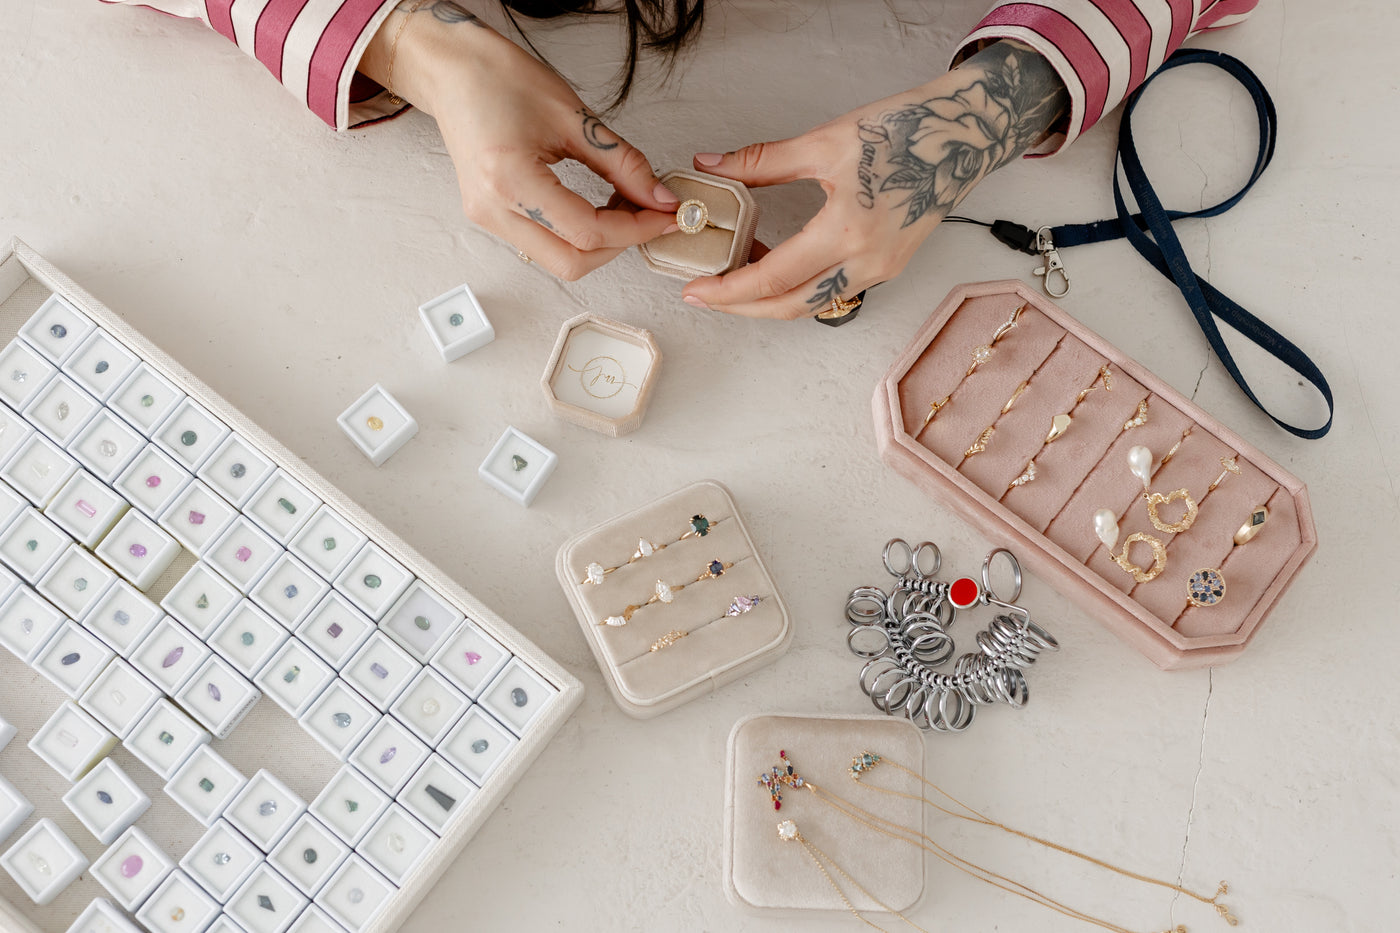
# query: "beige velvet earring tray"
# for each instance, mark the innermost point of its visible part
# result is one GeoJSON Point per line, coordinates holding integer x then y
{"type": "Point", "coordinates": [763, 871]}
{"type": "Point", "coordinates": [721, 247]}
{"type": "Point", "coordinates": [1048, 522]}
{"type": "Point", "coordinates": [717, 648]}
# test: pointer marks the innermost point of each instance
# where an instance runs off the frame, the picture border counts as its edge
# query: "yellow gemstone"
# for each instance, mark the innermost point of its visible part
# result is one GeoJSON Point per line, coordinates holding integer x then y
{"type": "Point", "coordinates": [375, 423]}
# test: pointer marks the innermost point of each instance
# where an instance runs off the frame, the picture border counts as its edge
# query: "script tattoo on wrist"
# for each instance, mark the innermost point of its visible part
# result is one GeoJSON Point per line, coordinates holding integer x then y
{"type": "Point", "coordinates": [933, 152]}
{"type": "Point", "coordinates": [537, 215]}
{"type": "Point", "coordinates": [592, 126]}
{"type": "Point", "coordinates": [827, 290]}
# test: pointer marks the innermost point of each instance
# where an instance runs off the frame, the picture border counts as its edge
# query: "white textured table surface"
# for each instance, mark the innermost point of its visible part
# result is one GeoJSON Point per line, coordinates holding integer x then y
{"type": "Point", "coordinates": [281, 263]}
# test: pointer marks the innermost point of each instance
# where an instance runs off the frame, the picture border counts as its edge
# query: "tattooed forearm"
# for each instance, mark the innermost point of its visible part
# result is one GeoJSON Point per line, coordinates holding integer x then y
{"type": "Point", "coordinates": [592, 127]}
{"type": "Point", "coordinates": [930, 154]}
{"type": "Point", "coordinates": [828, 289]}
{"type": "Point", "coordinates": [537, 215]}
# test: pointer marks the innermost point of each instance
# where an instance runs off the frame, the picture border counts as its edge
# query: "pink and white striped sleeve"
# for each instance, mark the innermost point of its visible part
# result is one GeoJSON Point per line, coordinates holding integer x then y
{"type": "Point", "coordinates": [1102, 49]}
{"type": "Point", "coordinates": [311, 46]}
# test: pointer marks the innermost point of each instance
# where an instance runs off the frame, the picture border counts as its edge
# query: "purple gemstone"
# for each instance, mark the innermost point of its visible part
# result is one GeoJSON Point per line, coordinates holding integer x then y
{"type": "Point", "coordinates": [137, 550]}
{"type": "Point", "coordinates": [388, 754]}
{"type": "Point", "coordinates": [334, 630]}
{"type": "Point", "coordinates": [131, 866]}
{"type": "Point", "coordinates": [70, 658]}
{"type": "Point", "coordinates": [473, 658]}
{"type": "Point", "coordinates": [243, 554]}
{"type": "Point", "coordinates": [173, 657]}
{"type": "Point", "coordinates": [214, 693]}
{"type": "Point", "coordinates": [379, 670]}
{"type": "Point", "coordinates": [196, 518]}
{"type": "Point", "coordinates": [153, 481]}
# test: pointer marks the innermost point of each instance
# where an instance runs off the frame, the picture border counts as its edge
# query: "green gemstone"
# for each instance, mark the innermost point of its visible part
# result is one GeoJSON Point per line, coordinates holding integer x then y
{"type": "Point", "coordinates": [308, 856]}
{"type": "Point", "coordinates": [206, 785]}
{"type": "Point", "coordinates": [147, 401]}
{"type": "Point", "coordinates": [287, 506]}
{"type": "Point", "coordinates": [328, 544]}
{"type": "Point", "coordinates": [518, 463]}
{"type": "Point", "coordinates": [202, 602]}
{"type": "Point", "coordinates": [372, 581]}
{"type": "Point", "coordinates": [455, 320]}
{"type": "Point", "coordinates": [188, 438]}
{"type": "Point", "coordinates": [351, 805]}
{"type": "Point", "coordinates": [291, 674]}
{"type": "Point", "coordinates": [422, 622]}
{"type": "Point", "coordinates": [167, 739]}
{"type": "Point", "coordinates": [700, 525]}
{"type": "Point", "coordinates": [246, 638]}
{"type": "Point", "coordinates": [32, 545]}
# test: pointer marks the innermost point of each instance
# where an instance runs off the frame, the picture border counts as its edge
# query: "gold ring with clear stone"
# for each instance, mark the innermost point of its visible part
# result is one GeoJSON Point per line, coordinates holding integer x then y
{"type": "Point", "coordinates": [693, 216]}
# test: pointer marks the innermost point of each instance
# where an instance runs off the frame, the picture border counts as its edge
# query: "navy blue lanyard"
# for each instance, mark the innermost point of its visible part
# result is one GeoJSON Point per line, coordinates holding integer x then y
{"type": "Point", "coordinates": [1150, 233]}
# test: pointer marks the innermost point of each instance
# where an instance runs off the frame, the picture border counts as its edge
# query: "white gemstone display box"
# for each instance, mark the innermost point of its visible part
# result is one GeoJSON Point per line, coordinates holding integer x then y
{"type": "Point", "coordinates": [76, 582]}
{"type": "Point", "coordinates": [308, 854]}
{"type": "Point", "coordinates": [44, 862]}
{"type": "Point", "coordinates": [235, 470]}
{"type": "Point", "coordinates": [8, 584]}
{"type": "Point", "coordinates": [248, 638]}
{"type": "Point", "coordinates": [335, 629]}
{"type": "Point", "coordinates": [85, 508]}
{"type": "Point", "coordinates": [119, 697]}
{"type": "Point", "coordinates": [373, 580]}
{"type": "Point", "coordinates": [421, 620]}
{"type": "Point", "coordinates": [377, 424]}
{"type": "Point", "coordinates": [339, 718]}
{"type": "Point", "coordinates": [15, 808]}
{"type": "Point", "coordinates": [196, 516]}
{"type": "Point", "coordinates": [145, 399]}
{"type": "Point", "coordinates": [72, 659]}
{"type": "Point", "coordinates": [38, 469]}
{"type": "Point", "coordinates": [218, 697]}
{"type": "Point", "coordinates": [289, 590]}
{"type": "Point", "coordinates": [470, 659]}
{"type": "Point", "coordinates": [123, 617]}
{"type": "Point", "coordinates": [243, 553]}
{"type": "Point", "coordinates": [456, 323]}
{"type": "Point", "coordinates": [380, 670]}
{"type": "Point", "coordinates": [223, 923]}
{"type": "Point", "coordinates": [205, 785]}
{"type": "Point", "coordinates": [169, 656]}
{"type": "Point", "coordinates": [27, 622]}
{"type": "Point", "coordinates": [282, 506]}
{"type": "Point", "coordinates": [165, 738]}
{"type": "Point", "coordinates": [477, 745]}
{"type": "Point", "coordinates": [100, 364]}
{"type": "Point", "coordinates": [23, 372]}
{"type": "Point", "coordinates": [355, 894]}
{"type": "Point", "coordinates": [350, 804]}
{"type": "Point", "coordinates": [14, 431]}
{"type": "Point", "coordinates": [436, 793]}
{"type": "Point", "coordinates": [430, 706]}
{"type": "Point", "coordinates": [107, 801]}
{"type": "Point", "coordinates": [178, 906]}
{"type": "Point", "coordinates": [264, 810]}
{"type": "Point", "coordinates": [389, 755]}
{"type": "Point", "coordinates": [152, 481]}
{"type": "Point", "coordinates": [396, 844]}
{"type": "Point", "coordinates": [191, 434]}
{"type": "Point", "coordinates": [138, 550]}
{"type": "Point", "coordinates": [518, 466]}
{"type": "Point", "coordinates": [327, 542]}
{"type": "Point", "coordinates": [100, 916]}
{"type": "Point", "coordinates": [294, 678]}
{"type": "Point", "coordinates": [517, 696]}
{"type": "Point", "coordinates": [56, 329]}
{"type": "Point", "coordinates": [221, 860]}
{"type": "Point", "coordinates": [32, 544]}
{"type": "Point", "coordinates": [61, 410]}
{"type": "Point", "coordinates": [266, 902]}
{"type": "Point", "coordinates": [315, 920]}
{"type": "Point", "coordinates": [132, 868]}
{"type": "Point", "coordinates": [201, 600]}
{"type": "Point", "coordinates": [7, 732]}
{"type": "Point", "coordinates": [106, 446]}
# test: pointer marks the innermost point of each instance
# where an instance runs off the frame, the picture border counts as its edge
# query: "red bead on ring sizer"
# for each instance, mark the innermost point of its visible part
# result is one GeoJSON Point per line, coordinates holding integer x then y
{"type": "Point", "coordinates": [964, 593]}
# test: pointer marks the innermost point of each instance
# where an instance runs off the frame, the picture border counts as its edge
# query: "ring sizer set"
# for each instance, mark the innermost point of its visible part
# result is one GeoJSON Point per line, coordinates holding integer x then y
{"type": "Point", "coordinates": [166, 567]}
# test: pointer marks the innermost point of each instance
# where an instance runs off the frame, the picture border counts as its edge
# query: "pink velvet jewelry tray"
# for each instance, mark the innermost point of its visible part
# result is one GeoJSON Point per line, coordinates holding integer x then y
{"type": "Point", "coordinates": [1049, 521]}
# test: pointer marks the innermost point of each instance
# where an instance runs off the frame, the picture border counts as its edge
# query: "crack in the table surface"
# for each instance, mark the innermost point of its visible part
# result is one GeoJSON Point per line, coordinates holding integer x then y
{"type": "Point", "coordinates": [1195, 790]}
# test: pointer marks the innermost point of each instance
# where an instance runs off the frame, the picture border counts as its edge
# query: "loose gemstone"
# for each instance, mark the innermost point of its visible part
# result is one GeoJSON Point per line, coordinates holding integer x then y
{"type": "Point", "coordinates": [308, 856]}
{"type": "Point", "coordinates": [39, 469]}
{"type": "Point", "coordinates": [152, 481]}
{"type": "Point", "coordinates": [519, 697]}
{"type": "Point", "coordinates": [455, 320]}
{"type": "Point", "coordinates": [103, 796]}
{"type": "Point", "coordinates": [101, 367]}
{"type": "Point", "coordinates": [167, 739]}
{"type": "Point", "coordinates": [196, 518]}
{"type": "Point", "coordinates": [131, 866]}
{"type": "Point", "coordinates": [19, 375]}
{"type": "Point", "coordinates": [147, 401]}
{"type": "Point", "coordinates": [430, 707]}
{"type": "Point", "coordinates": [177, 914]}
{"type": "Point", "coordinates": [117, 696]}
{"type": "Point", "coordinates": [237, 470]}
{"type": "Point", "coordinates": [188, 438]}
{"type": "Point", "coordinates": [26, 625]}
{"type": "Point", "coordinates": [267, 808]}
{"type": "Point", "coordinates": [328, 544]}
{"type": "Point", "coordinates": [67, 738]}
{"type": "Point", "coordinates": [63, 411]}
{"type": "Point", "coordinates": [372, 581]}
{"type": "Point", "coordinates": [70, 658]}
{"type": "Point", "coordinates": [343, 721]}
{"type": "Point", "coordinates": [206, 785]}
{"type": "Point", "coordinates": [379, 670]}
{"type": "Point", "coordinates": [222, 858]}
{"type": "Point", "coordinates": [121, 617]}
{"type": "Point", "coordinates": [396, 842]}
{"type": "Point", "coordinates": [716, 568]}
{"type": "Point", "coordinates": [86, 508]}
{"type": "Point", "coordinates": [480, 746]}
{"type": "Point", "coordinates": [354, 895]}
{"type": "Point", "coordinates": [137, 550]}
{"type": "Point", "coordinates": [59, 331]}
{"type": "Point", "coordinates": [473, 658]}
{"type": "Point", "coordinates": [265, 902]}
{"type": "Point", "coordinates": [202, 602]}
{"type": "Point", "coordinates": [518, 463]}
{"type": "Point", "coordinates": [334, 630]}
{"type": "Point", "coordinates": [287, 506]}
{"type": "Point", "coordinates": [443, 800]}
{"type": "Point", "coordinates": [352, 805]}
{"type": "Point", "coordinates": [214, 693]}
{"type": "Point", "coordinates": [243, 554]}
{"type": "Point", "coordinates": [291, 591]}
{"type": "Point", "coordinates": [80, 584]}
{"type": "Point", "coordinates": [375, 423]}
{"type": "Point", "coordinates": [388, 754]}
{"type": "Point", "coordinates": [32, 544]}
{"type": "Point", "coordinates": [108, 448]}
{"type": "Point", "coordinates": [596, 573]}
{"type": "Point", "coordinates": [700, 525]}
{"type": "Point", "coordinates": [291, 674]}
{"type": "Point", "coordinates": [422, 623]}
{"type": "Point", "coordinates": [246, 638]}
{"type": "Point", "coordinates": [41, 866]}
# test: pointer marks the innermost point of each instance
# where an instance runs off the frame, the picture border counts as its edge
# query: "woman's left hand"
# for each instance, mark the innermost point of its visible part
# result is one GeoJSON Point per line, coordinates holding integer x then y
{"type": "Point", "coordinates": [891, 172]}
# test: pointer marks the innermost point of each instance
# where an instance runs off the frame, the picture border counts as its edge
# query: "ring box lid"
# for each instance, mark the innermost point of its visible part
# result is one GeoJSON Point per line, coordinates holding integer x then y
{"type": "Point", "coordinates": [601, 374]}
{"type": "Point", "coordinates": [719, 648]}
{"type": "Point", "coordinates": [725, 248]}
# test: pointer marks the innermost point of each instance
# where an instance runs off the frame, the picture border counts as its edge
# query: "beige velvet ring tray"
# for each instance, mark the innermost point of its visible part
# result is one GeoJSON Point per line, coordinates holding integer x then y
{"type": "Point", "coordinates": [648, 672]}
{"type": "Point", "coordinates": [1049, 365]}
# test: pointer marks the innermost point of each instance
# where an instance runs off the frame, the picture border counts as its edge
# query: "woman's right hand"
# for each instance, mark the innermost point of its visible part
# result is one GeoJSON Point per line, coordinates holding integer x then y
{"type": "Point", "coordinates": [505, 118]}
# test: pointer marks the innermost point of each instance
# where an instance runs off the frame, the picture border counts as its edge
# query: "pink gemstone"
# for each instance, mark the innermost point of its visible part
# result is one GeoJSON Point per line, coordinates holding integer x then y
{"type": "Point", "coordinates": [473, 658]}
{"type": "Point", "coordinates": [196, 518]}
{"type": "Point", "coordinates": [388, 754]}
{"type": "Point", "coordinates": [243, 554]}
{"type": "Point", "coordinates": [131, 866]}
{"type": "Point", "coordinates": [86, 508]}
{"type": "Point", "coordinates": [173, 657]}
{"type": "Point", "coordinates": [334, 630]}
{"type": "Point", "coordinates": [137, 550]}
{"type": "Point", "coordinates": [153, 481]}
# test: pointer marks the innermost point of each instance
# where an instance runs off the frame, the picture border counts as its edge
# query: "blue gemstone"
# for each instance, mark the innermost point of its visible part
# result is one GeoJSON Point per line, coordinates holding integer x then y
{"type": "Point", "coordinates": [103, 796]}
{"type": "Point", "coordinates": [291, 591]}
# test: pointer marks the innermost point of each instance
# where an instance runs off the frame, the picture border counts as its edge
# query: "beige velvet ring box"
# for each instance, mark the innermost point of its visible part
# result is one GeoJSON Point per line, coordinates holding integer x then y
{"type": "Point", "coordinates": [601, 374]}
{"type": "Point", "coordinates": [656, 655]}
{"type": "Point", "coordinates": [723, 245]}
{"type": "Point", "coordinates": [762, 871]}
{"type": "Point", "coordinates": [1049, 521]}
